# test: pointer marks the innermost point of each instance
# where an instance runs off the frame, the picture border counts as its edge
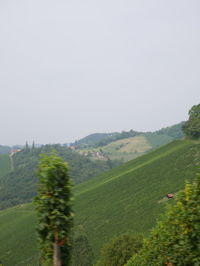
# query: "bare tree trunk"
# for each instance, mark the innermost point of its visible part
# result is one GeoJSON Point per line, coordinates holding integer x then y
{"type": "Point", "coordinates": [56, 255]}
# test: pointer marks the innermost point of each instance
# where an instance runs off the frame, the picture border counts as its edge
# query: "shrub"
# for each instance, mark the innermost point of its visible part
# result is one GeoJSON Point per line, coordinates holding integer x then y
{"type": "Point", "coordinates": [176, 238]}
{"type": "Point", "coordinates": [119, 250]}
{"type": "Point", "coordinates": [191, 127]}
{"type": "Point", "coordinates": [82, 253]}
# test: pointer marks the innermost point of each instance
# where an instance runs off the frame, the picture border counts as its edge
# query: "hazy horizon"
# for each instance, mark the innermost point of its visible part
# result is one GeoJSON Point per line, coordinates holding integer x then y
{"type": "Point", "coordinates": [70, 69]}
{"type": "Point", "coordinates": [30, 143]}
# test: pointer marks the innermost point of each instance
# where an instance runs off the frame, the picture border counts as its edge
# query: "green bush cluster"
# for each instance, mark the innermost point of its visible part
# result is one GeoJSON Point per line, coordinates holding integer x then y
{"type": "Point", "coordinates": [119, 250]}
{"type": "Point", "coordinates": [191, 127]}
{"type": "Point", "coordinates": [82, 253]}
{"type": "Point", "coordinates": [176, 238]}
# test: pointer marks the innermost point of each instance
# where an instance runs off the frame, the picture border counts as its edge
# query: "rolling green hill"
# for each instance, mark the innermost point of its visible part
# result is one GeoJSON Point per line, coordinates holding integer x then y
{"type": "Point", "coordinates": [126, 145]}
{"type": "Point", "coordinates": [126, 149]}
{"type": "Point", "coordinates": [125, 199]}
{"type": "Point", "coordinates": [102, 139]}
{"type": "Point", "coordinates": [91, 139]}
{"type": "Point", "coordinates": [5, 165]}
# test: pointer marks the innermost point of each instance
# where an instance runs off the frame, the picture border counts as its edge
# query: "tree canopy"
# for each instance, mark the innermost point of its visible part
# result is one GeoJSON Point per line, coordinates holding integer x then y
{"type": "Point", "coordinates": [53, 205]}
{"type": "Point", "coordinates": [119, 250]}
{"type": "Point", "coordinates": [176, 238]}
{"type": "Point", "coordinates": [191, 127]}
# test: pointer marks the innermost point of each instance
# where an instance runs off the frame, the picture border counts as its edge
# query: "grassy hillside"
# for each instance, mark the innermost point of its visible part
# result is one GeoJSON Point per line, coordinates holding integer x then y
{"type": "Point", "coordinates": [125, 199]}
{"type": "Point", "coordinates": [4, 164]}
{"type": "Point", "coordinates": [18, 238]}
{"type": "Point", "coordinates": [126, 145]}
{"type": "Point", "coordinates": [129, 198]}
{"type": "Point", "coordinates": [102, 139]}
{"type": "Point", "coordinates": [123, 149]}
{"type": "Point", "coordinates": [128, 148]}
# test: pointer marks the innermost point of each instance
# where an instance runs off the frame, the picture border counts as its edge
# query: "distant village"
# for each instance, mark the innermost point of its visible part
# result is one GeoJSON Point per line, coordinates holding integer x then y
{"type": "Point", "coordinates": [90, 153]}
{"type": "Point", "coordinates": [13, 151]}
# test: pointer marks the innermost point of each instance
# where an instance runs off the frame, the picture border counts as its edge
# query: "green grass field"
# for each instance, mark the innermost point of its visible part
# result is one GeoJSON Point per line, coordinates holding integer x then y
{"type": "Point", "coordinates": [5, 166]}
{"type": "Point", "coordinates": [18, 239]}
{"type": "Point", "coordinates": [127, 149]}
{"type": "Point", "coordinates": [126, 199]}
{"type": "Point", "coordinates": [123, 149]}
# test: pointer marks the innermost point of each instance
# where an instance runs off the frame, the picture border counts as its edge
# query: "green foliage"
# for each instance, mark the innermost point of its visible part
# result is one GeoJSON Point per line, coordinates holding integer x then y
{"type": "Point", "coordinates": [120, 250]}
{"type": "Point", "coordinates": [174, 131]}
{"type": "Point", "coordinates": [128, 145]}
{"type": "Point", "coordinates": [5, 165]}
{"type": "Point", "coordinates": [129, 198]}
{"type": "Point", "coordinates": [102, 139]}
{"type": "Point", "coordinates": [82, 253]}
{"type": "Point", "coordinates": [125, 199]}
{"type": "Point", "coordinates": [117, 136]}
{"type": "Point", "coordinates": [17, 236]}
{"type": "Point", "coordinates": [19, 186]}
{"type": "Point", "coordinates": [156, 140]}
{"type": "Point", "coordinates": [191, 128]}
{"type": "Point", "coordinates": [53, 205]}
{"type": "Point", "coordinates": [176, 238]}
{"type": "Point", "coordinates": [91, 139]}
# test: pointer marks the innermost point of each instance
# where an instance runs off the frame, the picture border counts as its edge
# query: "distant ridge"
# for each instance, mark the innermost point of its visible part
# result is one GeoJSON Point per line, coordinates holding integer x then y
{"type": "Point", "coordinates": [126, 145]}
{"type": "Point", "coordinates": [100, 139]}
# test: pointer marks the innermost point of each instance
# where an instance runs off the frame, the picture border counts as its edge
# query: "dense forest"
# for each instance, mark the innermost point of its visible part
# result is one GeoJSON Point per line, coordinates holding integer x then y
{"type": "Point", "coordinates": [19, 185]}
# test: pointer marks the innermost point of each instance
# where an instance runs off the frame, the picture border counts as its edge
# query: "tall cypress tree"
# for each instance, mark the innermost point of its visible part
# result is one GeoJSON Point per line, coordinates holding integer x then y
{"type": "Point", "coordinates": [53, 205]}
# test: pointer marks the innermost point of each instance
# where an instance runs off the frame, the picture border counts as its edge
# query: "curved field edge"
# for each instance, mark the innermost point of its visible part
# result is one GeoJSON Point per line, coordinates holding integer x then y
{"type": "Point", "coordinates": [130, 166]}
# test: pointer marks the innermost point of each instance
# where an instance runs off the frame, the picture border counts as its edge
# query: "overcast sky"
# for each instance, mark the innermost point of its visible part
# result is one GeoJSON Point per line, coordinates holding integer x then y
{"type": "Point", "coordinates": [70, 68]}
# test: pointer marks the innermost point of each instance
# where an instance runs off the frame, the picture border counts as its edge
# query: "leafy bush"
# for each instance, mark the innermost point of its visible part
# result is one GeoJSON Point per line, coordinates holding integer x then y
{"type": "Point", "coordinates": [192, 127]}
{"type": "Point", "coordinates": [82, 253]}
{"type": "Point", "coordinates": [176, 239]}
{"type": "Point", "coordinates": [120, 250]}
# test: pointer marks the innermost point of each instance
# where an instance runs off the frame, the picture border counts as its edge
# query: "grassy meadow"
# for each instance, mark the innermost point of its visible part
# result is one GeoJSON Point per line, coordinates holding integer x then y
{"type": "Point", "coordinates": [125, 199]}
{"type": "Point", "coordinates": [123, 149]}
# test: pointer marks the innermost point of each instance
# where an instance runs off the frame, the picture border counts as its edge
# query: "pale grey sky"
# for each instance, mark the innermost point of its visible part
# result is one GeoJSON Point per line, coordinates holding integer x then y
{"type": "Point", "coordinates": [71, 68]}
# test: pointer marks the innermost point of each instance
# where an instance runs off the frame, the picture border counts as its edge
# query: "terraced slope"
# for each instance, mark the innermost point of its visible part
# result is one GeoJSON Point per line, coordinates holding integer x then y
{"type": "Point", "coordinates": [18, 239]}
{"type": "Point", "coordinates": [129, 198]}
{"type": "Point", "coordinates": [126, 199]}
{"type": "Point", "coordinates": [5, 165]}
